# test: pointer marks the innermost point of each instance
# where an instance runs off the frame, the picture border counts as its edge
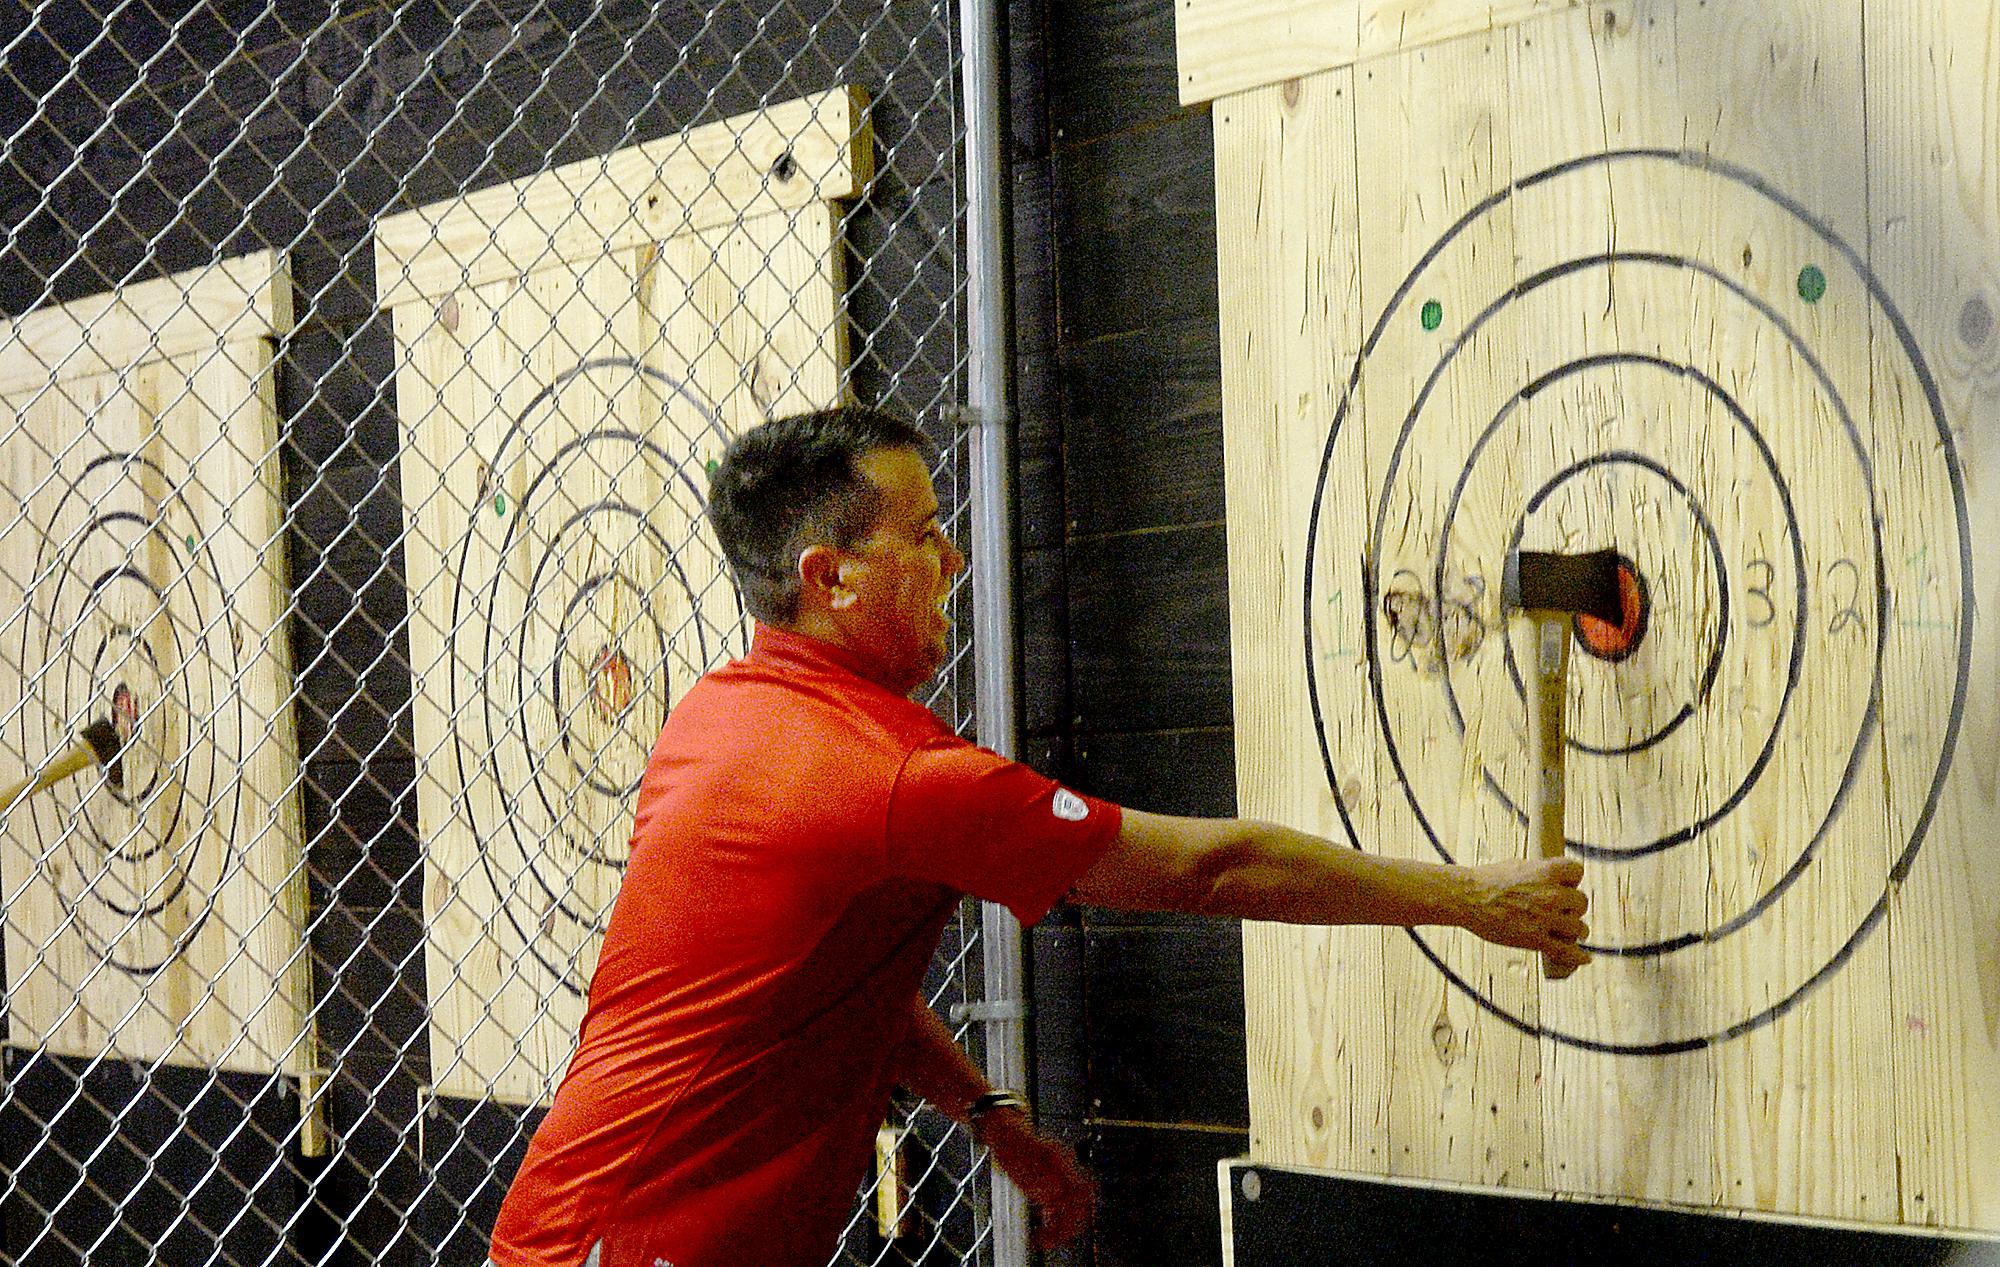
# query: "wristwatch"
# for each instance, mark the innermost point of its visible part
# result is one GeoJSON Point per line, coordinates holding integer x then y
{"type": "Point", "coordinates": [981, 1105]}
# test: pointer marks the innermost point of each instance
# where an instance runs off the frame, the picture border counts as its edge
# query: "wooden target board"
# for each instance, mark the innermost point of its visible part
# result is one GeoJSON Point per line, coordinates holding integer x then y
{"type": "Point", "coordinates": [158, 916]}
{"type": "Point", "coordinates": [1681, 282]}
{"type": "Point", "coordinates": [562, 417]}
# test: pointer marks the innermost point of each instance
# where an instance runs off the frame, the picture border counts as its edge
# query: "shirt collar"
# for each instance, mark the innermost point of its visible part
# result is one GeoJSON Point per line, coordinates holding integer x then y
{"type": "Point", "coordinates": [802, 651]}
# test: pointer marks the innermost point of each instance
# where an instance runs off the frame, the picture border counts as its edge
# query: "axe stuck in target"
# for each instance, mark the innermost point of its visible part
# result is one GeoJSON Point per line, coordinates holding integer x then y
{"type": "Point", "coordinates": [98, 743]}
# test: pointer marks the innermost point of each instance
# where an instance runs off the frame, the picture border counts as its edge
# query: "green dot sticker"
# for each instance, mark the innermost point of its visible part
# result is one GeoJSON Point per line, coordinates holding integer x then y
{"type": "Point", "coordinates": [1812, 283]}
{"type": "Point", "coordinates": [191, 544]}
{"type": "Point", "coordinates": [1432, 315]}
{"type": "Point", "coordinates": [499, 503]}
{"type": "Point", "coordinates": [711, 465]}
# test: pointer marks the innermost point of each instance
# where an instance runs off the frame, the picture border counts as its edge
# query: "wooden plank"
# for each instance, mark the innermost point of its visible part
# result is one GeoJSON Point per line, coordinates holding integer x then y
{"type": "Point", "coordinates": [1625, 300]}
{"type": "Point", "coordinates": [1228, 46]}
{"type": "Point", "coordinates": [565, 589]}
{"type": "Point", "coordinates": [1805, 1115]}
{"type": "Point", "coordinates": [1665, 1149]}
{"type": "Point", "coordinates": [792, 155]}
{"type": "Point", "coordinates": [1157, 1185]}
{"type": "Point", "coordinates": [1465, 1100]}
{"type": "Point", "coordinates": [233, 301]}
{"type": "Point", "coordinates": [751, 311]}
{"type": "Point", "coordinates": [1115, 70]}
{"type": "Point", "coordinates": [1135, 223]}
{"type": "Point", "coordinates": [1933, 234]}
{"type": "Point", "coordinates": [1165, 1041]}
{"type": "Point", "coordinates": [1287, 238]}
{"type": "Point", "coordinates": [1148, 649]}
{"type": "Point", "coordinates": [160, 919]}
{"type": "Point", "coordinates": [1151, 405]}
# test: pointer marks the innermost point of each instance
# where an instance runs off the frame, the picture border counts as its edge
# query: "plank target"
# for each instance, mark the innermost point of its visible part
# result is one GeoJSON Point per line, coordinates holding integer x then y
{"type": "Point", "coordinates": [157, 916]}
{"type": "Point", "coordinates": [577, 621]}
{"type": "Point", "coordinates": [127, 622]}
{"type": "Point", "coordinates": [564, 400]}
{"type": "Point", "coordinates": [1744, 606]}
{"type": "Point", "coordinates": [1687, 281]}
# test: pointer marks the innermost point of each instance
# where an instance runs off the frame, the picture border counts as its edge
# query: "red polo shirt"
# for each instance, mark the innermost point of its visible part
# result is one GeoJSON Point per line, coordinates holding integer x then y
{"type": "Point", "coordinates": [802, 835]}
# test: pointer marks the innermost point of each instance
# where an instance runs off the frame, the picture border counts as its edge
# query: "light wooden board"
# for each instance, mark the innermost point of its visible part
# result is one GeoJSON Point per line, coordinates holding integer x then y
{"type": "Point", "coordinates": [202, 309]}
{"type": "Point", "coordinates": [1614, 290]}
{"type": "Point", "coordinates": [1228, 46]}
{"type": "Point", "coordinates": [1287, 212]}
{"type": "Point", "coordinates": [142, 532]}
{"type": "Point", "coordinates": [1934, 237]}
{"type": "Point", "coordinates": [793, 155]}
{"type": "Point", "coordinates": [565, 590]}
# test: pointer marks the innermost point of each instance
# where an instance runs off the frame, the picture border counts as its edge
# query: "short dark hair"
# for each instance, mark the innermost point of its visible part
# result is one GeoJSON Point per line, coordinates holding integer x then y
{"type": "Point", "coordinates": [793, 483]}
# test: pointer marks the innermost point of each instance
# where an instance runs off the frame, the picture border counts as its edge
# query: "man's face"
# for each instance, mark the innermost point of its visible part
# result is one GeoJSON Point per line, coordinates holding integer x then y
{"type": "Point", "coordinates": [900, 575]}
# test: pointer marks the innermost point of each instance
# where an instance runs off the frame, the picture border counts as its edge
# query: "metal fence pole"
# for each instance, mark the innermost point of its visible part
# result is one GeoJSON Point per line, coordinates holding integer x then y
{"type": "Point", "coordinates": [994, 627]}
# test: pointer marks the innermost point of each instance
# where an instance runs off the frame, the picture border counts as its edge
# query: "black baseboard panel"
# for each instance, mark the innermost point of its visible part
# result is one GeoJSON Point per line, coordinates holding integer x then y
{"type": "Point", "coordinates": [1280, 1217]}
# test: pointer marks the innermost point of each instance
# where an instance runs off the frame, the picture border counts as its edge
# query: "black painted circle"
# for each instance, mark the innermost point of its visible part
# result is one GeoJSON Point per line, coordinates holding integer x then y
{"type": "Point", "coordinates": [1687, 832]}
{"type": "Point", "coordinates": [532, 829]}
{"type": "Point", "coordinates": [1946, 449]}
{"type": "Point", "coordinates": [1718, 640]}
{"type": "Point", "coordinates": [76, 679]}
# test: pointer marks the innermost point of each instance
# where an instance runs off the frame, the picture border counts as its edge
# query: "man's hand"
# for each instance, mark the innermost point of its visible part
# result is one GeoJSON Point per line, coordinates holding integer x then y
{"type": "Point", "coordinates": [1533, 903]}
{"type": "Point", "coordinates": [1045, 1171]}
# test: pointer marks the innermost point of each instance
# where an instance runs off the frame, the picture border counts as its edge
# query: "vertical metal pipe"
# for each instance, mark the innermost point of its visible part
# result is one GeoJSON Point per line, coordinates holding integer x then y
{"type": "Point", "coordinates": [989, 313]}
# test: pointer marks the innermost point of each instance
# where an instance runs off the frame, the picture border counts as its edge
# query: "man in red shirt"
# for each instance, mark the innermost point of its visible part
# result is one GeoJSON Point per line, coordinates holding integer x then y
{"type": "Point", "coordinates": [803, 832]}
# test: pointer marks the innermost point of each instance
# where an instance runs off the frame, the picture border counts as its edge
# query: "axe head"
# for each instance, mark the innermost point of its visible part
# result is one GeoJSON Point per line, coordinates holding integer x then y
{"type": "Point", "coordinates": [1541, 580]}
{"type": "Point", "coordinates": [105, 746]}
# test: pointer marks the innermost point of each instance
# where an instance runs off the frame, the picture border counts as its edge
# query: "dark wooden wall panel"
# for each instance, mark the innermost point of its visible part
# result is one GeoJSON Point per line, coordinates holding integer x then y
{"type": "Point", "coordinates": [1151, 401]}
{"type": "Point", "coordinates": [138, 1183]}
{"type": "Point", "coordinates": [1149, 622]}
{"type": "Point", "coordinates": [1139, 1016]}
{"type": "Point", "coordinates": [1166, 1023]}
{"type": "Point", "coordinates": [1160, 1205]}
{"type": "Point", "coordinates": [1135, 228]}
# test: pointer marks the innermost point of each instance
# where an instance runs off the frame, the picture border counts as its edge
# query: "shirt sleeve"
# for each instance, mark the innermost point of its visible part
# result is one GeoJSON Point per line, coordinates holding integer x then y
{"type": "Point", "coordinates": [967, 817]}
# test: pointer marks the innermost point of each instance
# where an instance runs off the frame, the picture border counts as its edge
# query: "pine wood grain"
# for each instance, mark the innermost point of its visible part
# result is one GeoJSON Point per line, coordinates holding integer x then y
{"type": "Point", "coordinates": [565, 590]}
{"type": "Point", "coordinates": [1228, 46]}
{"type": "Point", "coordinates": [1287, 223]}
{"type": "Point", "coordinates": [792, 155]}
{"type": "Point", "coordinates": [144, 525]}
{"type": "Point", "coordinates": [235, 300]}
{"type": "Point", "coordinates": [1934, 237]}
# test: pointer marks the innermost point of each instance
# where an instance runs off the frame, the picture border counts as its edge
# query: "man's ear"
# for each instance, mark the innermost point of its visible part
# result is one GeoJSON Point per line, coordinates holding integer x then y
{"type": "Point", "coordinates": [822, 578]}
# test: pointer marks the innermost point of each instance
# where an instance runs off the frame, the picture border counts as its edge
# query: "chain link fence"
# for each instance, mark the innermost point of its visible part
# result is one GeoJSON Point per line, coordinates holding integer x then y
{"type": "Point", "coordinates": [362, 366]}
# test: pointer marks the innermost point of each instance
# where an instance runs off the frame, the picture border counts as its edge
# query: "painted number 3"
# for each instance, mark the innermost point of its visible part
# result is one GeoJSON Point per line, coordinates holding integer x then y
{"type": "Point", "coordinates": [1844, 575]}
{"type": "Point", "coordinates": [1761, 591]}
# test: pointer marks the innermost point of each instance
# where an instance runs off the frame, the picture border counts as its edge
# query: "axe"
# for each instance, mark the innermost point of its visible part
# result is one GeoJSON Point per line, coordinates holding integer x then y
{"type": "Point", "coordinates": [1551, 589]}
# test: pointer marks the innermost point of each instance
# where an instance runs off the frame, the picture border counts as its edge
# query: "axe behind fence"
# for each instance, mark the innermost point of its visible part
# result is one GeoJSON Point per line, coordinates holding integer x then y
{"type": "Point", "coordinates": [97, 744]}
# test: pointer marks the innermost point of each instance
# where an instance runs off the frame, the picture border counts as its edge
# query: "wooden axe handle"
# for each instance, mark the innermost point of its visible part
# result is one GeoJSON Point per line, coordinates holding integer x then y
{"type": "Point", "coordinates": [1548, 697]}
{"type": "Point", "coordinates": [78, 758]}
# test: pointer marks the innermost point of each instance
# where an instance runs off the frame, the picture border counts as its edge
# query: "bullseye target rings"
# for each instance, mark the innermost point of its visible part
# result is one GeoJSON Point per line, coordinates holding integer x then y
{"type": "Point", "coordinates": [1712, 383]}
{"type": "Point", "coordinates": [127, 616]}
{"type": "Point", "coordinates": [587, 595]}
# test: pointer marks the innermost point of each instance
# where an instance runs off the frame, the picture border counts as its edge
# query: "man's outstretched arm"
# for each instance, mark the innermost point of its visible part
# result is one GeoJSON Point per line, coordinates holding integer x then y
{"type": "Point", "coordinates": [1253, 870]}
{"type": "Point", "coordinates": [931, 1064]}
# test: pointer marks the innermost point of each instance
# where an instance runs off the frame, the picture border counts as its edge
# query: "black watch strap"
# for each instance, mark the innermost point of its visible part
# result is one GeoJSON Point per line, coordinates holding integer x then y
{"type": "Point", "coordinates": [981, 1105]}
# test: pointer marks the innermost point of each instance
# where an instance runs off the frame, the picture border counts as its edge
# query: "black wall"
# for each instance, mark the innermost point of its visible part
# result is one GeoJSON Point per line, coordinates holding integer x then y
{"type": "Point", "coordinates": [1139, 1033]}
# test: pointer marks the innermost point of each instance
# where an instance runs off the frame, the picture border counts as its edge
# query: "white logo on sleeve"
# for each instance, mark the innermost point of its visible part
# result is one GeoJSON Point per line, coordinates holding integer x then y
{"type": "Point", "coordinates": [1069, 807]}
